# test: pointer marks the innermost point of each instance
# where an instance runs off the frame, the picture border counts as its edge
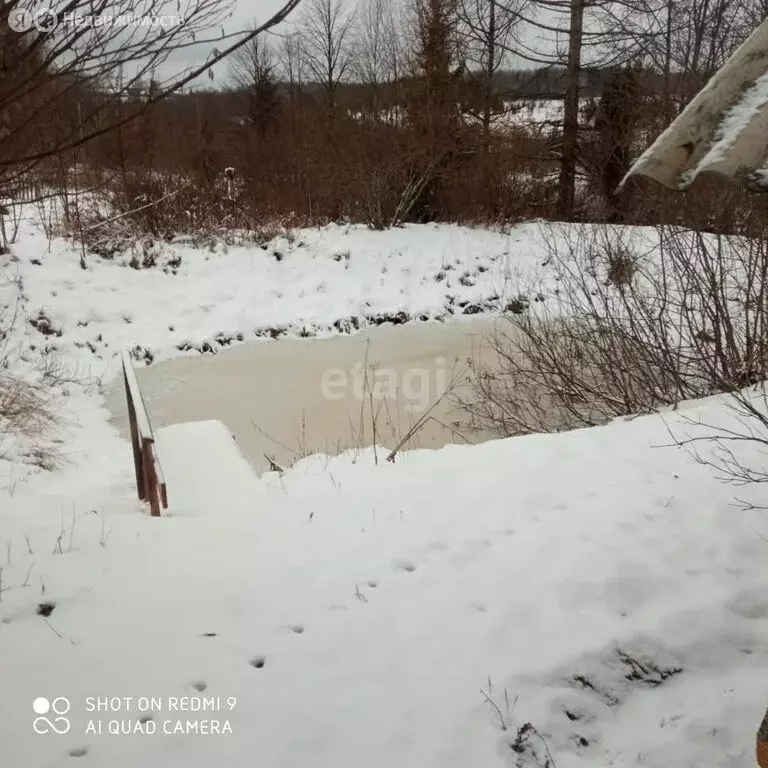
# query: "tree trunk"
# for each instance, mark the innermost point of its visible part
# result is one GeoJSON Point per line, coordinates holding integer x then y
{"type": "Point", "coordinates": [488, 112]}
{"type": "Point", "coordinates": [569, 157]}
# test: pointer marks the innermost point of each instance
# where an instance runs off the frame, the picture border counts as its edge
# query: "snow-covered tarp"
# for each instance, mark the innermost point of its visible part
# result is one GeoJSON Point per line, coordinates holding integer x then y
{"type": "Point", "coordinates": [724, 130]}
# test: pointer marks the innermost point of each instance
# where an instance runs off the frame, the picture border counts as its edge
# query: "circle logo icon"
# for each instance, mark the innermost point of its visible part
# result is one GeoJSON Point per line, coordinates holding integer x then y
{"type": "Point", "coordinates": [60, 706]}
{"type": "Point", "coordinates": [45, 20]}
{"type": "Point", "coordinates": [21, 20]}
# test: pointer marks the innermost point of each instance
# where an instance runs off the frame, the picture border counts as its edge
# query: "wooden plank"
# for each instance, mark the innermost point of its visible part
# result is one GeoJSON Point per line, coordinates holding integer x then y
{"type": "Point", "coordinates": [151, 476]}
{"type": "Point", "coordinates": [160, 477]}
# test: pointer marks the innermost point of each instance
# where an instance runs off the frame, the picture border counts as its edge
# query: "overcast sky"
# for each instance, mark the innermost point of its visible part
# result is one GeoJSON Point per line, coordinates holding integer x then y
{"type": "Point", "coordinates": [248, 10]}
{"type": "Point", "coordinates": [244, 13]}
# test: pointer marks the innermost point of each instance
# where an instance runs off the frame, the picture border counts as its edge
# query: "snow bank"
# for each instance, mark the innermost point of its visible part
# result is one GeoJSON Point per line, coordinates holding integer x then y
{"type": "Point", "coordinates": [598, 587]}
{"type": "Point", "coordinates": [205, 472]}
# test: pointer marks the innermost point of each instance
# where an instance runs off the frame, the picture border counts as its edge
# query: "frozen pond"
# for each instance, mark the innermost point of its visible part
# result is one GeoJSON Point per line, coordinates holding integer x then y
{"type": "Point", "coordinates": [293, 397]}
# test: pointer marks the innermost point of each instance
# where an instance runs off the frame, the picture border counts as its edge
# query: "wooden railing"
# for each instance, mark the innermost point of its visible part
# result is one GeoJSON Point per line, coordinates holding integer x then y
{"type": "Point", "coordinates": [150, 481]}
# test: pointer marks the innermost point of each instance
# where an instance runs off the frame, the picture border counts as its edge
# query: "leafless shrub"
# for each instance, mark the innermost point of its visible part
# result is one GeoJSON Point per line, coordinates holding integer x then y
{"type": "Point", "coordinates": [735, 449]}
{"type": "Point", "coordinates": [621, 267]}
{"type": "Point", "coordinates": [24, 408]}
{"type": "Point", "coordinates": [150, 207]}
{"type": "Point", "coordinates": [28, 388]}
{"type": "Point", "coordinates": [26, 417]}
{"type": "Point", "coordinates": [627, 322]}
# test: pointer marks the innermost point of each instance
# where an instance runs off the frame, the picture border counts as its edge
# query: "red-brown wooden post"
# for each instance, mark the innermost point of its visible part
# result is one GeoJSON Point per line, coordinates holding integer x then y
{"type": "Point", "coordinates": [151, 477]}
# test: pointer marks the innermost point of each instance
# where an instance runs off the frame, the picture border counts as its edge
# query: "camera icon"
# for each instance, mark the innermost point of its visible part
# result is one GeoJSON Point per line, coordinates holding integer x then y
{"type": "Point", "coordinates": [60, 707]}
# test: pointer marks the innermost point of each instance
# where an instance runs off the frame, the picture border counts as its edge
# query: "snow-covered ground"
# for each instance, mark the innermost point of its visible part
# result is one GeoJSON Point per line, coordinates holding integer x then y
{"type": "Point", "coordinates": [581, 599]}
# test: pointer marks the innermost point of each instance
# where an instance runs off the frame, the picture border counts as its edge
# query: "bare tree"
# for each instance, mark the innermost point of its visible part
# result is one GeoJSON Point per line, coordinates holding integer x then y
{"type": "Point", "coordinates": [66, 61]}
{"type": "Point", "coordinates": [326, 35]}
{"type": "Point", "coordinates": [683, 37]}
{"type": "Point", "coordinates": [570, 152]}
{"type": "Point", "coordinates": [488, 28]}
{"type": "Point", "coordinates": [393, 48]}
{"type": "Point", "coordinates": [253, 72]}
{"type": "Point", "coordinates": [372, 63]}
{"type": "Point", "coordinates": [292, 64]}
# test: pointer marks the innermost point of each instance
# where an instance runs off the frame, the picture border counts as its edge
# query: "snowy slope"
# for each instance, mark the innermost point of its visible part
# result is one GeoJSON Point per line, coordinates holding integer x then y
{"type": "Point", "coordinates": [595, 586]}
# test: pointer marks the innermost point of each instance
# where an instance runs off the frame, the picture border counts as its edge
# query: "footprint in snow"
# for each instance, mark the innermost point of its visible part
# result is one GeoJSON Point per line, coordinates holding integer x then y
{"type": "Point", "coordinates": [749, 604]}
{"type": "Point", "coordinates": [406, 565]}
{"type": "Point", "coordinates": [258, 662]}
{"type": "Point", "coordinates": [373, 584]}
{"type": "Point", "coordinates": [297, 629]}
{"type": "Point", "coordinates": [199, 685]}
{"type": "Point", "coordinates": [78, 752]}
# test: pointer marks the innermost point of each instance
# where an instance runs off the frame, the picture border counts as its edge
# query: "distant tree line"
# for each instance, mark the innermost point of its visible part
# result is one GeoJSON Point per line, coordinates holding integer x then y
{"type": "Point", "coordinates": [384, 114]}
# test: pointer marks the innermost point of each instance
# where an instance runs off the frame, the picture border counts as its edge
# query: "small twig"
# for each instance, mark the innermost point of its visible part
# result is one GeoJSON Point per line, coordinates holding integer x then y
{"type": "Point", "coordinates": [497, 709]}
{"type": "Point", "coordinates": [104, 534]}
{"type": "Point", "coordinates": [60, 636]}
{"type": "Point", "coordinates": [57, 549]}
{"type": "Point", "coordinates": [29, 573]}
{"type": "Point", "coordinates": [273, 465]}
{"type": "Point", "coordinates": [72, 529]}
{"type": "Point", "coordinates": [413, 430]}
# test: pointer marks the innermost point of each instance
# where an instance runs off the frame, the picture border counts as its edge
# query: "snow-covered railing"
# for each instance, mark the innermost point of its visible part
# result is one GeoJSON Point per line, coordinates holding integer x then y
{"type": "Point", "coordinates": [150, 481]}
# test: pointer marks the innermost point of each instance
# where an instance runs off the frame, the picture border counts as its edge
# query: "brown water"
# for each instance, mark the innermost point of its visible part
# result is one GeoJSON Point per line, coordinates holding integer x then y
{"type": "Point", "coordinates": [294, 397]}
